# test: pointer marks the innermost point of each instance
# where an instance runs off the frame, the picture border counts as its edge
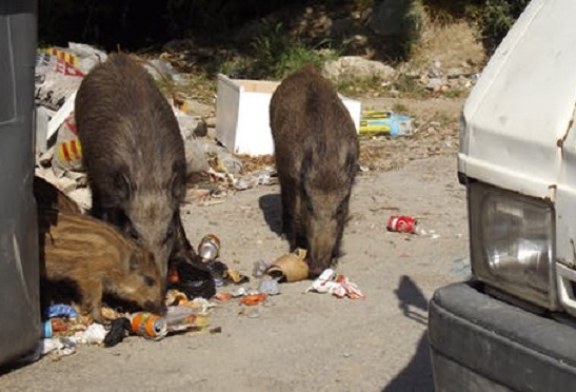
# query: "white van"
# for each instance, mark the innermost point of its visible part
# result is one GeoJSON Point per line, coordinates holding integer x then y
{"type": "Point", "coordinates": [513, 326]}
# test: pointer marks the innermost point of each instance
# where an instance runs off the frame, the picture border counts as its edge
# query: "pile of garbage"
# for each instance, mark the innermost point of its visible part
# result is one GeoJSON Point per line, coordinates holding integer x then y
{"type": "Point", "coordinates": [58, 74]}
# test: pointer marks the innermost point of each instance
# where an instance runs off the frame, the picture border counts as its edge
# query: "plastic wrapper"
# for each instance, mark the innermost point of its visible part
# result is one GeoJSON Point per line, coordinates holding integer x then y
{"type": "Point", "coordinates": [181, 318]}
{"type": "Point", "coordinates": [338, 285]}
{"type": "Point", "coordinates": [94, 334]}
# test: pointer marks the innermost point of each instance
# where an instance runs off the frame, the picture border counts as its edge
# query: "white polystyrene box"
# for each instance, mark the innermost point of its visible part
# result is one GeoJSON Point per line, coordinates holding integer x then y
{"type": "Point", "coordinates": [242, 115]}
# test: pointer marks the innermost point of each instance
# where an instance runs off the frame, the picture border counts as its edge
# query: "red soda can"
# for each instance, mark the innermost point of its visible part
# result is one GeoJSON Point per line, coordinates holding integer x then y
{"type": "Point", "coordinates": [402, 224]}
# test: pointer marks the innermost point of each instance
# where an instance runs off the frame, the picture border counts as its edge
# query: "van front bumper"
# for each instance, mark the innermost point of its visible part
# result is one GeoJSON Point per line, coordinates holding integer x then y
{"type": "Point", "coordinates": [479, 343]}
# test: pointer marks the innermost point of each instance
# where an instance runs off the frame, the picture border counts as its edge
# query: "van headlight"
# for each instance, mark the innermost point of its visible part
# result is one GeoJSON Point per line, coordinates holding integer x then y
{"type": "Point", "coordinates": [512, 243]}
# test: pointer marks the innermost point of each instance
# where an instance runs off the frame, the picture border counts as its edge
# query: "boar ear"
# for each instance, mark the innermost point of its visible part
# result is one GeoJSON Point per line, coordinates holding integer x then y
{"type": "Point", "coordinates": [122, 185]}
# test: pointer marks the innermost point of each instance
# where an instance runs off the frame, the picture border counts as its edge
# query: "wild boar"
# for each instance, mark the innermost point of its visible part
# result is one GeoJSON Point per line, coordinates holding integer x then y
{"type": "Point", "coordinates": [133, 153]}
{"type": "Point", "coordinates": [316, 151]}
{"type": "Point", "coordinates": [97, 259]}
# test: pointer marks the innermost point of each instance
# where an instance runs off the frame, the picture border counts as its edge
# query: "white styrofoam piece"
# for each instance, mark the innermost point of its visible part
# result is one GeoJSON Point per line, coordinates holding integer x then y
{"type": "Point", "coordinates": [242, 115]}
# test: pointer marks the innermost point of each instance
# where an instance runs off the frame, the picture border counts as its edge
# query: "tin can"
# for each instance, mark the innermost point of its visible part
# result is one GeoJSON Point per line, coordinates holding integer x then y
{"type": "Point", "coordinates": [209, 248]}
{"type": "Point", "coordinates": [402, 224]}
{"type": "Point", "coordinates": [148, 325]}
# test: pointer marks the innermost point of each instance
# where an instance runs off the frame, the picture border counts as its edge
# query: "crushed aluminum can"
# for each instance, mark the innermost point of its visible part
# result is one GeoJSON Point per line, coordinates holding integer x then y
{"type": "Point", "coordinates": [209, 247]}
{"type": "Point", "coordinates": [402, 224]}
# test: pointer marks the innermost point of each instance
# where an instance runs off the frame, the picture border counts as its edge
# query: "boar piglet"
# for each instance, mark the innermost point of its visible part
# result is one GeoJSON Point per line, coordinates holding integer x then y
{"type": "Point", "coordinates": [316, 151]}
{"type": "Point", "coordinates": [133, 153]}
{"type": "Point", "coordinates": [98, 259]}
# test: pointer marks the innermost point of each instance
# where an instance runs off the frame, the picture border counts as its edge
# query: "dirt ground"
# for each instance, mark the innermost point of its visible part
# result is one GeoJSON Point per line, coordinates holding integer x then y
{"type": "Point", "coordinates": [309, 342]}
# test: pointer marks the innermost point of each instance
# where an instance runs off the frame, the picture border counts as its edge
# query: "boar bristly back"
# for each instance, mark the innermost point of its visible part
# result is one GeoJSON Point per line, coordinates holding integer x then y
{"type": "Point", "coordinates": [133, 153]}
{"type": "Point", "coordinates": [316, 150]}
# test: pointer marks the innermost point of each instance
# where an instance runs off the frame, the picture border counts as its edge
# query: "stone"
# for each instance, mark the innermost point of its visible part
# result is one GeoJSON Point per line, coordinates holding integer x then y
{"type": "Point", "coordinates": [358, 67]}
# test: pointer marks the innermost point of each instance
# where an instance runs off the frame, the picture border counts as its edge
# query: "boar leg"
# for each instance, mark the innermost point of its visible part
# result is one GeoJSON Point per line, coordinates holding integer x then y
{"type": "Point", "coordinates": [182, 248]}
{"type": "Point", "coordinates": [288, 195]}
{"type": "Point", "coordinates": [92, 300]}
{"type": "Point", "coordinates": [299, 239]}
{"type": "Point", "coordinates": [183, 252]}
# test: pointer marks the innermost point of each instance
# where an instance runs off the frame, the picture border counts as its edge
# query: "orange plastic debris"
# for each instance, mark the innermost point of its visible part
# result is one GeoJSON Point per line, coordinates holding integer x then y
{"type": "Point", "coordinates": [253, 299]}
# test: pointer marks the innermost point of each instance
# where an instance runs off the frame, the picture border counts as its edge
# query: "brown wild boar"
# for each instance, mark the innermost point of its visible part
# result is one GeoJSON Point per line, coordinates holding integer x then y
{"type": "Point", "coordinates": [49, 197]}
{"type": "Point", "coordinates": [97, 259]}
{"type": "Point", "coordinates": [316, 151]}
{"type": "Point", "coordinates": [133, 153]}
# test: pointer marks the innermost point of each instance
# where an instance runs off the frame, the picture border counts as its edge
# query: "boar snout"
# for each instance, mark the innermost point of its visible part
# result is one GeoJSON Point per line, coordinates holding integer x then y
{"type": "Point", "coordinates": [323, 246]}
{"type": "Point", "coordinates": [155, 307]}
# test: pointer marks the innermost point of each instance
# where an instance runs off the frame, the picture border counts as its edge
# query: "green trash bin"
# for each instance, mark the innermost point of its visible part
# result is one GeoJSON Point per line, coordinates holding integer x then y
{"type": "Point", "coordinates": [20, 324]}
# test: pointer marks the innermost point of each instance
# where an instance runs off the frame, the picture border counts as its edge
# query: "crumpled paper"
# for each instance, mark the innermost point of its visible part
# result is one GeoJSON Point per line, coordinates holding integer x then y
{"type": "Point", "coordinates": [338, 285]}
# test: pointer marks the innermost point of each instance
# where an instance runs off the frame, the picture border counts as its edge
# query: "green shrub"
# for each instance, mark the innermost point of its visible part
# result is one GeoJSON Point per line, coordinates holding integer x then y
{"type": "Point", "coordinates": [496, 18]}
{"type": "Point", "coordinates": [275, 54]}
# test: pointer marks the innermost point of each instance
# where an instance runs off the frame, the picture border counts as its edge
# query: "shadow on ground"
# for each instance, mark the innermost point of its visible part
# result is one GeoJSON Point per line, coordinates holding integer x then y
{"type": "Point", "coordinates": [272, 209]}
{"type": "Point", "coordinates": [417, 375]}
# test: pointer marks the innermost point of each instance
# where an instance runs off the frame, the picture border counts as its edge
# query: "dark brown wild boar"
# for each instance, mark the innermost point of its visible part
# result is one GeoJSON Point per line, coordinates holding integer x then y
{"type": "Point", "coordinates": [98, 259]}
{"type": "Point", "coordinates": [133, 153]}
{"type": "Point", "coordinates": [316, 152]}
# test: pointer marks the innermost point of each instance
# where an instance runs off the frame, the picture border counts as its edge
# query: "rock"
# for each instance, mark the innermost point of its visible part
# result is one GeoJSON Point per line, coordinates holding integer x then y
{"type": "Point", "coordinates": [358, 67]}
{"type": "Point", "coordinates": [187, 123]}
{"type": "Point", "coordinates": [201, 129]}
{"type": "Point", "coordinates": [210, 121]}
{"type": "Point", "coordinates": [196, 159]}
{"type": "Point", "coordinates": [435, 84]}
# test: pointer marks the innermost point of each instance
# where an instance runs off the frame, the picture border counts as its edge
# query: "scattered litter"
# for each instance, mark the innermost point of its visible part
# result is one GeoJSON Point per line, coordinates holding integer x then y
{"type": "Point", "coordinates": [269, 287]}
{"type": "Point", "coordinates": [58, 347]}
{"type": "Point", "coordinates": [148, 325]}
{"type": "Point", "coordinates": [260, 268]}
{"type": "Point", "coordinates": [402, 224]}
{"type": "Point", "coordinates": [222, 296]}
{"type": "Point", "coordinates": [182, 318]}
{"type": "Point", "coordinates": [61, 310]}
{"type": "Point", "coordinates": [262, 177]}
{"type": "Point", "coordinates": [291, 267]}
{"type": "Point", "coordinates": [338, 285]}
{"type": "Point", "coordinates": [241, 291]}
{"type": "Point", "coordinates": [119, 329]}
{"type": "Point", "coordinates": [192, 281]}
{"type": "Point", "coordinates": [253, 299]}
{"type": "Point", "coordinates": [94, 334]}
{"type": "Point", "coordinates": [235, 276]}
{"type": "Point", "coordinates": [388, 123]}
{"type": "Point", "coordinates": [209, 248]}
{"type": "Point", "coordinates": [201, 305]}
{"type": "Point", "coordinates": [215, 330]}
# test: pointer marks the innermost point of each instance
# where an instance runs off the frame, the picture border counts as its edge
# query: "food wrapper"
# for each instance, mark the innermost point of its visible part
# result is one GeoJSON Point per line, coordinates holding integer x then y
{"type": "Point", "coordinates": [338, 285]}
